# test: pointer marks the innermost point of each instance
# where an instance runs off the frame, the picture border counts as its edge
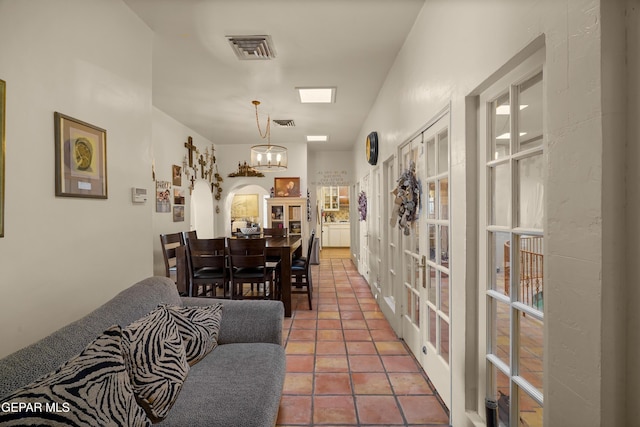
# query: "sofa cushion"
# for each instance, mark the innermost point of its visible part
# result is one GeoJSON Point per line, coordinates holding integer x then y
{"type": "Point", "coordinates": [156, 360]}
{"type": "Point", "coordinates": [199, 328]}
{"type": "Point", "coordinates": [236, 385]}
{"type": "Point", "coordinates": [92, 388]}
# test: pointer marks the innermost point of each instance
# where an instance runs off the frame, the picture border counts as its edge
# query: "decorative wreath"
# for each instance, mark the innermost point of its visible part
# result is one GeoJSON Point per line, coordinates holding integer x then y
{"type": "Point", "coordinates": [362, 206]}
{"type": "Point", "coordinates": [407, 200]}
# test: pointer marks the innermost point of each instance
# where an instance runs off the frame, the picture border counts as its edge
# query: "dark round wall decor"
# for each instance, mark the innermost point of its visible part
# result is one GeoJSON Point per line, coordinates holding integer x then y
{"type": "Point", "coordinates": [372, 148]}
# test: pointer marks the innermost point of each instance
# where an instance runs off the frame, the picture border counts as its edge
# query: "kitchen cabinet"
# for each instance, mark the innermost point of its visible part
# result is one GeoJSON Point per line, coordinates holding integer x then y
{"type": "Point", "coordinates": [330, 197]}
{"type": "Point", "coordinates": [336, 234]}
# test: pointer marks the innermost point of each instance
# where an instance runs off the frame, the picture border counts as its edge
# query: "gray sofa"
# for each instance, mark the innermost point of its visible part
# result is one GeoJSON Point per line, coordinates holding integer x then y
{"type": "Point", "coordinates": [238, 384]}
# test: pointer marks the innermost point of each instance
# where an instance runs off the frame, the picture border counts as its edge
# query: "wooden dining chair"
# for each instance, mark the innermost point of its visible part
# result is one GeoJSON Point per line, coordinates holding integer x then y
{"type": "Point", "coordinates": [186, 235]}
{"type": "Point", "coordinates": [169, 242]}
{"type": "Point", "coordinates": [301, 273]}
{"type": "Point", "coordinates": [207, 266]}
{"type": "Point", "coordinates": [301, 259]}
{"type": "Point", "coordinates": [248, 265]}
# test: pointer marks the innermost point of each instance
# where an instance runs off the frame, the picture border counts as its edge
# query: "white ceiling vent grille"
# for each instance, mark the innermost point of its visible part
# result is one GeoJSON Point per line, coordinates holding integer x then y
{"type": "Point", "coordinates": [285, 123]}
{"type": "Point", "coordinates": [252, 47]}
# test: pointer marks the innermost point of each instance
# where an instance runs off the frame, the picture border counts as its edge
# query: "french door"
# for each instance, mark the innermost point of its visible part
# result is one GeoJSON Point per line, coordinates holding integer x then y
{"type": "Point", "coordinates": [511, 242]}
{"type": "Point", "coordinates": [426, 315]}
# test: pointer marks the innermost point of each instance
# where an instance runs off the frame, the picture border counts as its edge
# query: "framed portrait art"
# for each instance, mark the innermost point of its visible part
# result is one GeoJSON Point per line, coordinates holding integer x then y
{"type": "Point", "coordinates": [287, 187]}
{"type": "Point", "coordinates": [81, 158]}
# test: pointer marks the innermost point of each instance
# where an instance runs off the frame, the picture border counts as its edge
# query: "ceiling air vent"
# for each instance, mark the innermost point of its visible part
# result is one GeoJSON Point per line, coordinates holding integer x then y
{"type": "Point", "coordinates": [252, 47]}
{"type": "Point", "coordinates": [285, 123]}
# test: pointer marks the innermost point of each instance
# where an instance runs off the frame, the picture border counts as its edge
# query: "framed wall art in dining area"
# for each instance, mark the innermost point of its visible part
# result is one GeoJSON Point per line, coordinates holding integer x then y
{"type": "Point", "coordinates": [3, 87]}
{"type": "Point", "coordinates": [287, 186]}
{"type": "Point", "coordinates": [81, 158]}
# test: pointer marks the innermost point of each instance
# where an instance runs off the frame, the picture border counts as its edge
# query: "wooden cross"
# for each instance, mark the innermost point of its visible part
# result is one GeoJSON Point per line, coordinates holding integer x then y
{"type": "Point", "coordinates": [189, 145]}
{"type": "Point", "coordinates": [202, 163]}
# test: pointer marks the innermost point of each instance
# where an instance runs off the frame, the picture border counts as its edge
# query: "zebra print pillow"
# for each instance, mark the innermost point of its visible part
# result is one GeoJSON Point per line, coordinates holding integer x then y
{"type": "Point", "coordinates": [199, 327]}
{"type": "Point", "coordinates": [92, 388]}
{"type": "Point", "coordinates": [155, 358]}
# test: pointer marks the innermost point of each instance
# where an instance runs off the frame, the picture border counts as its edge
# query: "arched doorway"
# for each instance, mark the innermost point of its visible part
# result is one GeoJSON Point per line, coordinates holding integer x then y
{"type": "Point", "coordinates": [202, 218]}
{"type": "Point", "coordinates": [223, 227]}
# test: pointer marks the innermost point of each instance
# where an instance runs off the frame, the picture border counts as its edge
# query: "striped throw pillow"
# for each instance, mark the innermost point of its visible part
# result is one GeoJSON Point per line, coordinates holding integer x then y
{"type": "Point", "coordinates": [199, 327]}
{"type": "Point", "coordinates": [90, 389]}
{"type": "Point", "coordinates": [155, 358]}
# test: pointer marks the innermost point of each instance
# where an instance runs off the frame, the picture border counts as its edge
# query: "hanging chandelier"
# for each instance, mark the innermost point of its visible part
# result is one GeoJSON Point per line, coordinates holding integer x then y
{"type": "Point", "coordinates": [267, 157]}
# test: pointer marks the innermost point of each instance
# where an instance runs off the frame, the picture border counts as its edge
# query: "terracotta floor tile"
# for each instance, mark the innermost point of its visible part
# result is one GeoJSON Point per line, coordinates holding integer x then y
{"type": "Point", "coordinates": [298, 383]}
{"type": "Point", "coordinates": [330, 335]}
{"type": "Point", "coordinates": [409, 383]}
{"type": "Point", "coordinates": [335, 315]}
{"type": "Point", "coordinates": [304, 324]}
{"type": "Point", "coordinates": [294, 410]}
{"type": "Point", "coordinates": [360, 363]}
{"type": "Point", "coordinates": [400, 364]}
{"type": "Point", "coordinates": [301, 347]}
{"type": "Point", "coordinates": [354, 324]}
{"type": "Point", "coordinates": [383, 335]}
{"type": "Point", "coordinates": [361, 347]}
{"type": "Point", "coordinates": [302, 335]}
{"type": "Point", "coordinates": [378, 410]}
{"type": "Point", "coordinates": [357, 335]}
{"type": "Point", "coordinates": [297, 363]}
{"type": "Point", "coordinates": [352, 315]}
{"type": "Point", "coordinates": [330, 347]}
{"type": "Point", "coordinates": [370, 383]}
{"type": "Point", "coordinates": [329, 324]}
{"type": "Point", "coordinates": [345, 365]}
{"type": "Point", "coordinates": [334, 410]}
{"type": "Point", "coordinates": [422, 409]}
{"type": "Point", "coordinates": [332, 364]}
{"type": "Point", "coordinates": [391, 347]}
{"type": "Point", "coordinates": [332, 383]}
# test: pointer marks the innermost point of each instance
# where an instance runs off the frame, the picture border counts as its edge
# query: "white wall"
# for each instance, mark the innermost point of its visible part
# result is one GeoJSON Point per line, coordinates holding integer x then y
{"type": "Point", "coordinates": [453, 48]}
{"type": "Point", "coordinates": [62, 257]}
{"type": "Point", "coordinates": [167, 149]}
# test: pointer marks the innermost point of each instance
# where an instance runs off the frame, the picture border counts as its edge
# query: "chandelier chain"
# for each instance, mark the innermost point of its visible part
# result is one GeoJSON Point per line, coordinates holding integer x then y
{"type": "Point", "coordinates": [267, 134]}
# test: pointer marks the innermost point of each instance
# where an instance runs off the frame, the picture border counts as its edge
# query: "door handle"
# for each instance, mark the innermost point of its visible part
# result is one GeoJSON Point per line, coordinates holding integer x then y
{"type": "Point", "coordinates": [423, 266]}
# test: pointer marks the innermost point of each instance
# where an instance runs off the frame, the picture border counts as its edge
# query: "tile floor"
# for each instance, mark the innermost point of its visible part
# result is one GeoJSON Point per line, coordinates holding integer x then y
{"type": "Point", "coordinates": [345, 365]}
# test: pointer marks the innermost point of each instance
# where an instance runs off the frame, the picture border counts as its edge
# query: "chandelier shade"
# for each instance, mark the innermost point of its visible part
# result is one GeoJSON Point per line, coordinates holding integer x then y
{"type": "Point", "coordinates": [267, 157]}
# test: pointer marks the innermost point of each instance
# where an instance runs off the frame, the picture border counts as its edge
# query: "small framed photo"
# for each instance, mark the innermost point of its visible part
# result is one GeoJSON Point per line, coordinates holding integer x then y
{"type": "Point", "coordinates": [178, 213]}
{"type": "Point", "coordinates": [177, 175]}
{"type": "Point", "coordinates": [81, 158]}
{"type": "Point", "coordinates": [178, 196]}
{"type": "Point", "coordinates": [287, 186]}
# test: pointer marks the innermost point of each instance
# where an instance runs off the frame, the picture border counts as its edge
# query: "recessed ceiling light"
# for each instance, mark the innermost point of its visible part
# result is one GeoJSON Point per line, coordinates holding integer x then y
{"type": "Point", "coordinates": [312, 138]}
{"type": "Point", "coordinates": [317, 95]}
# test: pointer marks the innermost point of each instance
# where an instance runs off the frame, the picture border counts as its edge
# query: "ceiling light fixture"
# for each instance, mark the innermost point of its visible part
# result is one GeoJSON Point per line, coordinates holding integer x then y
{"type": "Point", "coordinates": [267, 157]}
{"type": "Point", "coordinates": [317, 95]}
{"type": "Point", "coordinates": [316, 138]}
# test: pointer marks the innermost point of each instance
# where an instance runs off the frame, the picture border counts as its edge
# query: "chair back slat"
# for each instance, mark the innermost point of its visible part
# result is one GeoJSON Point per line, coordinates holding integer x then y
{"type": "Point", "coordinates": [206, 253]}
{"type": "Point", "coordinates": [274, 232]}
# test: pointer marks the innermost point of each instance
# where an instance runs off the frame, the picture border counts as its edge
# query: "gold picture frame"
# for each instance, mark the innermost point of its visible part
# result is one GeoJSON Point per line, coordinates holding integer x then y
{"type": "Point", "coordinates": [3, 90]}
{"type": "Point", "coordinates": [81, 158]}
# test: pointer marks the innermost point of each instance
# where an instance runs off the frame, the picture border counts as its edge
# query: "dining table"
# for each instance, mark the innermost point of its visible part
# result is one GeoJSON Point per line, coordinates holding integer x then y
{"type": "Point", "coordinates": [283, 247]}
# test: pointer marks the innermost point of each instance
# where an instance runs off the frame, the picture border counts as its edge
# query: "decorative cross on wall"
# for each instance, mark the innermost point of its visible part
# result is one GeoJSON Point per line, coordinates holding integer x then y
{"type": "Point", "coordinates": [190, 147]}
{"type": "Point", "coordinates": [202, 163]}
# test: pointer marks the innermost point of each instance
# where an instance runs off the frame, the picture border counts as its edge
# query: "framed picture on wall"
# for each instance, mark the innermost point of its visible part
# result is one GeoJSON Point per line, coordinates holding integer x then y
{"type": "Point", "coordinates": [163, 196]}
{"type": "Point", "coordinates": [178, 213]}
{"type": "Point", "coordinates": [176, 172]}
{"type": "Point", "coordinates": [3, 87]}
{"type": "Point", "coordinates": [81, 158]}
{"type": "Point", "coordinates": [287, 186]}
